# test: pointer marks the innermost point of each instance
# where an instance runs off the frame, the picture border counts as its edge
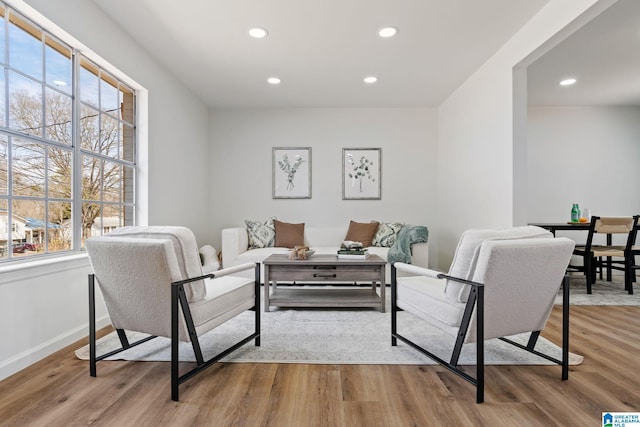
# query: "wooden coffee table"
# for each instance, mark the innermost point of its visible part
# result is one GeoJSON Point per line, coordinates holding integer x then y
{"type": "Point", "coordinates": [324, 269]}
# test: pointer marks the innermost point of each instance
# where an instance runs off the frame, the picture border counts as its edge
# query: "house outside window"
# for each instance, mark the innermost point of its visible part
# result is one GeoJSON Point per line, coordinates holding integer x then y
{"type": "Point", "coordinates": [67, 144]}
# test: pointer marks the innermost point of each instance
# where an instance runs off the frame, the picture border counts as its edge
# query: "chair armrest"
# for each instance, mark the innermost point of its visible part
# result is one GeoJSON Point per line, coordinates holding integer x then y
{"type": "Point", "coordinates": [458, 279]}
{"type": "Point", "coordinates": [234, 269]}
{"type": "Point", "coordinates": [234, 242]}
{"type": "Point", "coordinates": [414, 269]}
{"type": "Point", "coordinates": [219, 273]}
{"type": "Point", "coordinates": [420, 271]}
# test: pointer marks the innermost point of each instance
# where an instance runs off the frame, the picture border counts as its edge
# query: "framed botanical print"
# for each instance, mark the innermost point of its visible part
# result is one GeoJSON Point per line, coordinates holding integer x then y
{"type": "Point", "coordinates": [291, 173]}
{"type": "Point", "coordinates": [361, 173]}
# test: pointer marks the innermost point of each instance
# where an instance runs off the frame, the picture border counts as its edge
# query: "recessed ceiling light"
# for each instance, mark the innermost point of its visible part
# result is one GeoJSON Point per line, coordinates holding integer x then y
{"type": "Point", "coordinates": [387, 32]}
{"type": "Point", "coordinates": [370, 79]}
{"type": "Point", "coordinates": [258, 33]}
{"type": "Point", "coordinates": [273, 80]}
{"type": "Point", "coordinates": [568, 82]}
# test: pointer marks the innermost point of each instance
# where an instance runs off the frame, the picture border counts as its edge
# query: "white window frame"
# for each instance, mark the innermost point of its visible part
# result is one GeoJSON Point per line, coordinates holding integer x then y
{"type": "Point", "coordinates": [53, 262]}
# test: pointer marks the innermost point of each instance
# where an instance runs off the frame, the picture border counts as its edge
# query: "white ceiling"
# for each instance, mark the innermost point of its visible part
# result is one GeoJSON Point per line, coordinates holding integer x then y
{"type": "Point", "coordinates": [603, 55]}
{"type": "Point", "coordinates": [322, 49]}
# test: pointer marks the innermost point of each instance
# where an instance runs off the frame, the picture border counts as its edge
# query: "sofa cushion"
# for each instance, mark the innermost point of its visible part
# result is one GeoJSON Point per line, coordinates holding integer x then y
{"type": "Point", "coordinates": [261, 234]}
{"type": "Point", "coordinates": [259, 254]}
{"type": "Point", "coordinates": [386, 234]}
{"type": "Point", "coordinates": [362, 232]}
{"type": "Point", "coordinates": [325, 250]}
{"type": "Point", "coordinates": [381, 252]}
{"type": "Point", "coordinates": [324, 236]}
{"type": "Point", "coordinates": [288, 235]}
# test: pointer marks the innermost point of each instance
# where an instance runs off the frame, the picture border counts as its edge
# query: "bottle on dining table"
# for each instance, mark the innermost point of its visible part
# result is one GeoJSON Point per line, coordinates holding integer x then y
{"type": "Point", "coordinates": [575, 213]}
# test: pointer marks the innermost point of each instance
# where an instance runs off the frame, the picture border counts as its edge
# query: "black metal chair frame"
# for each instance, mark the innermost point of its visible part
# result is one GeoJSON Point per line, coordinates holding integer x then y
{"type": "Point", "coordinates": [476, 300]}
{"type": "Point", "coordinates": [178, 301]}
{"type": "Point", "coordinates": [589, 263]}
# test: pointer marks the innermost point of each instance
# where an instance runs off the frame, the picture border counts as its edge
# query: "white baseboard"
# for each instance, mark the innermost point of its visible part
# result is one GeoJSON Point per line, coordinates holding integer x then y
{"type": "Point", "coordinates": [22, 360]}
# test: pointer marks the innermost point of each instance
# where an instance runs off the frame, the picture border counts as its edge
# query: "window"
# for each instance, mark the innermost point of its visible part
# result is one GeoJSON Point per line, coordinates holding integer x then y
{"type": "Point", "coordinates": [67, 144]}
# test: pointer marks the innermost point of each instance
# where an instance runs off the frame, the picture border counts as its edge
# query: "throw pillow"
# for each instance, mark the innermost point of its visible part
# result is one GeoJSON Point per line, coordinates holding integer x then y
{"type": "Point", "coordinates": [261, 234]}
{"type": "Point", "coordinates": [362, 232]}
{"type": "Point", "coordinates": [289, 235]}
{"type": "Point", "coordinates": [386, 234]}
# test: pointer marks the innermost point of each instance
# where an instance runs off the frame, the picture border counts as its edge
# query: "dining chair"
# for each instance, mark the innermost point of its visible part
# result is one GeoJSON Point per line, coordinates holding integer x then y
{"type": "Point", "coordinates": [633, 266]}
{"type": "Point", "coordinates": [627, 263]}
{"type": "Point", "coordinates": [598, 256]}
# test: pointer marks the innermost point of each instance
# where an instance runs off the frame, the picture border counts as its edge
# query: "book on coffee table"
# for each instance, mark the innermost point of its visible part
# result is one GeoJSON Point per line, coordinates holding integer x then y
{"type": "Point", "coordinates": [348, 256]}
{"type": "Point", "coordinates": [353, 254]}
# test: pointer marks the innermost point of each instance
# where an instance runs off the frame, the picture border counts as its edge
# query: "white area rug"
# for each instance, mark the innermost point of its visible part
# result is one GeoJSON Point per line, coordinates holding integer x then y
{"type": "Point", "coordinates": [357, 336]}
{"type": "Point", "coordinates": [603, 292]}
{"type": "Point", "coordinates": [320, 336]}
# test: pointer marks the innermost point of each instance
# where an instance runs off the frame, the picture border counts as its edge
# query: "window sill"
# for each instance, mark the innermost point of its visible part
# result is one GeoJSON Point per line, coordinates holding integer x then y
{"type": "Point", "coordinates": [42, 267]}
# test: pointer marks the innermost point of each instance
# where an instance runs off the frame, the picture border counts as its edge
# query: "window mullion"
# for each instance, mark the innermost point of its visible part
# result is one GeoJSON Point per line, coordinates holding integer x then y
{"type": "Point", "coordinates": [44, 88]}
{"type": "Point", "coordinates": [43, 134]}
{"type": "Point", "coordinates": [76, 188]}
{"type": "Point", "coordinates": [5, 70]}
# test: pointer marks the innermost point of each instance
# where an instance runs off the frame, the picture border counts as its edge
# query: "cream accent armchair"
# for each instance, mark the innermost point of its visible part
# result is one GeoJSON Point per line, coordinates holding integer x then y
{"type": "Point", "coordinates": [152, 282]}
{"type": "Point", "coordinates": [501, 283]}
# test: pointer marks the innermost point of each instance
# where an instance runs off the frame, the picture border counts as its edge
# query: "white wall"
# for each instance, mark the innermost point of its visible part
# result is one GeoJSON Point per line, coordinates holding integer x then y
{"type": "Point", "coordinates": [242, 142]}
{"type": "Point", "coordinates": [177, 119]}
{"type": "Point", "coordinates": [45, 308]}
{"type": "Point", "coordinates": [42, 309]}
{"type": "Point", "coordinates": [585, 155]}
{"type": "Point", "coordinates": [475, 140]}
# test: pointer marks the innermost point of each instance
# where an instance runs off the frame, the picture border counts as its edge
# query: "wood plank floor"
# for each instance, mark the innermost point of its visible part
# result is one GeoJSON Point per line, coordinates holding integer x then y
{"type": "Point", "coordinates": [58, 391]}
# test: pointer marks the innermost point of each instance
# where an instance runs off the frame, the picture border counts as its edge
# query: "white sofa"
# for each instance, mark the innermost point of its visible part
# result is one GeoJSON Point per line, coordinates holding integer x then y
{"type": "Point", "coordinates": [324, 240]}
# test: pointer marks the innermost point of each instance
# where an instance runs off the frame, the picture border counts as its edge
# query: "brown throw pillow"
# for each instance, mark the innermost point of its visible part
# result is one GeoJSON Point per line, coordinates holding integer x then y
{"type": "Point", "coordinates": [361, 232]}
{"type": "Point", "coordinates": [289, 235]}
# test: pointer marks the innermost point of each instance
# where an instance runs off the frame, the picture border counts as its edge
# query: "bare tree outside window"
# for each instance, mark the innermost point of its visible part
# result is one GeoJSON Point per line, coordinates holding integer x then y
{"type": "Point", "coordinates": [39, 171]}
{"type": "Point", "coordinates": [38, 200]}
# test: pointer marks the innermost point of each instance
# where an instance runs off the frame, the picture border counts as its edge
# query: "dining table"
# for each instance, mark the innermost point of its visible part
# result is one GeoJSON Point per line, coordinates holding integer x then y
{"type": "Point", "coordinates": [576, 226]}
{"type": "Point", "coordinates": [563, 226]}
{"type": "Point", "coordinates": [566, 226]}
